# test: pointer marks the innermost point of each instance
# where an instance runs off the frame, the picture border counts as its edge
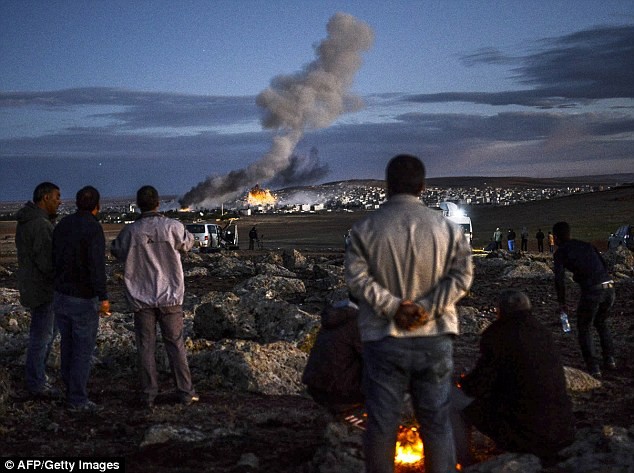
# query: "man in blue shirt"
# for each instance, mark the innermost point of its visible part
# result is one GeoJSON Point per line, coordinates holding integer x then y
{"type": "Point", "coordinates": [79, 260]}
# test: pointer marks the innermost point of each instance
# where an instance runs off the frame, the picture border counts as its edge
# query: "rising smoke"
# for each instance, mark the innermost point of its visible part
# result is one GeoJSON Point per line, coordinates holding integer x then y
{"type": "Point", "coordinates": [312, 98]}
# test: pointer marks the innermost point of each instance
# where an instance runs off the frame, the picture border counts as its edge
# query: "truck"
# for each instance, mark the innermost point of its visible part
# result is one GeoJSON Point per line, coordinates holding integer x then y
{"type": "Point", "coordinates": [210, 237]}
{"type": "Point", "coordinates": [453, 213]}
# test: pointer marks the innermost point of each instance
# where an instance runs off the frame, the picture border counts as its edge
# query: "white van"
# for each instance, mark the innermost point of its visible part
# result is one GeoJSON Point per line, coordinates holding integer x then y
{"type": "Point", "coordinates": [213, 237]}
{"type": "Point", "coordinates": [206, 235]}
{"type": "Point", "coordinates": [453, 213]}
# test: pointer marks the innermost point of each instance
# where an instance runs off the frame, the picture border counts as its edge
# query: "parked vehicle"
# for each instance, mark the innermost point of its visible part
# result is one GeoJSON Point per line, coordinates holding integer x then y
{"type": "Point", "coordinates": [213, 237]}
{"type": "Point", "coordinates": [453, 213]}
{"type": "Point", "coordinates": [624, 235]}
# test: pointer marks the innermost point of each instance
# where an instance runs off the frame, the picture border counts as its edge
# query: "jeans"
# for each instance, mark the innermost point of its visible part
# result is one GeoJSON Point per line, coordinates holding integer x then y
{"type": "Point", "coordinates": [170, 319]}
{"type": "Point", "coordinates": [511, 245]}
{"type": "Point", "coordinates": [422, 366]}
{"type": "Point", "coordinates": [594, 309]}
{"type": "Point", "coordinates": [78, 322]}
{"type": "Point", "coordinates": [42, 332]}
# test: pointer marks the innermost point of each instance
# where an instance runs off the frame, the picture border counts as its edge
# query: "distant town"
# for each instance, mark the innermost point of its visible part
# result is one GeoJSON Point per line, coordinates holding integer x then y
{"type": "Point", "coordinates": [350, 196]}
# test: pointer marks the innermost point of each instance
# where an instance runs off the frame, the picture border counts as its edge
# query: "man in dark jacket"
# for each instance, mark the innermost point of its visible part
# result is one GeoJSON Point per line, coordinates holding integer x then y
{"type": "Point", "coordinates": [518, 384]}
{"type": "Point", "coordinates": [597, 294]}
{"type": "Point", "coordinates": [33, 238]}
{"type": "Point", "coordinates": [333, 372]}
{"type": "Point", "coordinates": [79, 258]}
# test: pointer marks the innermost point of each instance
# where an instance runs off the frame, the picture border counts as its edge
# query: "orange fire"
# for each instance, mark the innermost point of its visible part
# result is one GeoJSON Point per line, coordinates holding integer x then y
{"type": "Point", "coordinates": [258, 196]}
{"type": "Point", "coordinates": [409, 446]}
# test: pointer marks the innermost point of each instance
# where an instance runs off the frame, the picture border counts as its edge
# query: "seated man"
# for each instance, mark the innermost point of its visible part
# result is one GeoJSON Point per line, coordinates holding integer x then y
{"type": "Point", "coordinates": [333, 372]}
{"type": "Point", "coordinates": [518, 385]}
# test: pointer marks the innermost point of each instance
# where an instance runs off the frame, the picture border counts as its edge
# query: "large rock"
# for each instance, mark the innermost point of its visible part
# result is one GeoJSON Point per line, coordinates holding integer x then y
{"type": "Point", "coordinates": [273, 369]}
{"type": "Point", "coordinates": [271, 287]}
{"type": "Point", "coordinates": [528, 270]}
{"type": "Point", "coordinates": [250, 316]}
{"type": "Point", "coordinates": [221, 316]}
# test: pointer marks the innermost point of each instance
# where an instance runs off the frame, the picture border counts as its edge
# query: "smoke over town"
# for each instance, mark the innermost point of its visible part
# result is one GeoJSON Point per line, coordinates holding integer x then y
{"type": "Point", "coordinates": [311, 98]}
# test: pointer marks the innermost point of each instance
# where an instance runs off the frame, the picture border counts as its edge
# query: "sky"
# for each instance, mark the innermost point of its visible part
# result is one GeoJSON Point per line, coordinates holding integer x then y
{"type": "Point", "coordinates": [204, 99]}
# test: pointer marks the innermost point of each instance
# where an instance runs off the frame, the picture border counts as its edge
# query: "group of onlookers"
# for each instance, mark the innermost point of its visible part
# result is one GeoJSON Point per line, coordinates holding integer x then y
{"type": "Point", "coordinates": [524, 235]}
{"type": "Point", "coordinates": [62, 280]}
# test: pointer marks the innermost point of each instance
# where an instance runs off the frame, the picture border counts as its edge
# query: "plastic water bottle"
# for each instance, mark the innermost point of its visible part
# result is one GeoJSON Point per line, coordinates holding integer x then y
{"type": "Point", "coordinates": [565, 325]}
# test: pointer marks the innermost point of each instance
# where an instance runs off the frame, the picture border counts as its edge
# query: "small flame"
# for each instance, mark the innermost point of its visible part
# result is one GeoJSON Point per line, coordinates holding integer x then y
{"type": "Point", "coordinates": [258, 196]}
{"type": "Point", "coordinates": [409, 446]}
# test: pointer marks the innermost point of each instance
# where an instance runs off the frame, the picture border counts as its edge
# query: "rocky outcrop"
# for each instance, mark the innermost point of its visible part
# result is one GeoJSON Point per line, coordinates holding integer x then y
{"type": "Point", "coordinates": [244, 365]}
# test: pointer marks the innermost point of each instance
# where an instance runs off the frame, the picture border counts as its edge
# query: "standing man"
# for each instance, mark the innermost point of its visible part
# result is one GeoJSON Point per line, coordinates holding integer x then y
{"type": "Point", "coordinates": [79, 257]}
{"type": "Point", "coordinates": [407, 281]}
{"type": "Point", "coordinates": [33, 239]}
{"type": "Point", "coordinates": [510, 240]}
{"type": "Point", "coordinates": [539, 236]}
{"type": "Point", "coordinates": [155, 287]}
{"type": "Point", "coordinates": [589, 270]}
{"type": "Point", "coordinates": [524, 239]}
{"type": "Point", "coordinates": [551, 242]}
{"type": "Point", "coordinates": [253, 237]}
{"type": "Point", "coordinates": [497, 237]}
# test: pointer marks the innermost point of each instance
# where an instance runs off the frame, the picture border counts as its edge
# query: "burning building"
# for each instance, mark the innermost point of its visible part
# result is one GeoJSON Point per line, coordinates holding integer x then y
{"type": "Point", "coordinates": [260, 197]}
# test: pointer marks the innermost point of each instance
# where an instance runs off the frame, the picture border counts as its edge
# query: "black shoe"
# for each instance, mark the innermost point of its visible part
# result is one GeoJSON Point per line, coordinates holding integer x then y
{"type": "Point", "coordinates": [47, 391]}
{"type": "Point", "coordinates": [191, 399]}
{"type": "Point", "coordinates": [87, 407]}
{"type": "Point", "coordinates": [609, 364]}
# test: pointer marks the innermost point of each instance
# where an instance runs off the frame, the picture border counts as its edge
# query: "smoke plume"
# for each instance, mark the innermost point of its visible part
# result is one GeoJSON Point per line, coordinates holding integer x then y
{"type": "Point", "coordinates": [311, 98]}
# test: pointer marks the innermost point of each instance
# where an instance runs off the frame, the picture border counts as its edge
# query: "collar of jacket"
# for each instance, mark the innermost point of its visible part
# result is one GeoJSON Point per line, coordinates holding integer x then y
{"type": "Point", "coordinates": [151, 213]}
{"type": "Point", "coordinates": [405, 198]}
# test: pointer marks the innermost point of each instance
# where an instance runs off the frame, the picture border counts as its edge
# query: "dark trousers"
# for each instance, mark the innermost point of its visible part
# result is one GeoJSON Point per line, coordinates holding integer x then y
{"type": "Point", "coordinates": [540, 246]}
{"type": "Point", "coordinates": [594, 309]}
{"type": "Point", "coordinates": [170, 320]}
{"type": "Point", "coordinates": [78, 322]}
{"type": "Point", "coordinates": [42, 332]}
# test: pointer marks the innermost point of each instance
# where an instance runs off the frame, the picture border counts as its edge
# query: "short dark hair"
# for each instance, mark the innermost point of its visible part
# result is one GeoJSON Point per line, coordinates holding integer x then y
{"type": "Point", "coordinates": [562, 230]}
{"type": "Point", "coordinates": [405, 174]}
{"type": "Point", "coordinates": [87, 198]}
{"type": "Point", "coordinates": [513, 302]}
{"type": "Point", "coordinates": [147, 198]}
{"type": "Point", "coordinates": [42, 189]}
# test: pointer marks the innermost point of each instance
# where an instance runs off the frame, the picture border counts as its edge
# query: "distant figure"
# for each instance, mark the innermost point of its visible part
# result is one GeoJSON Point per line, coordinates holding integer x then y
{"type": "Point", "coordinates": [524, 239]}
{"type": "Point", "coordinates": [34, 240]}
{"type": "Point", "coordinates": [589, 270]}
{"type": "Point", "coordinates": [539, 236]}
{"type": "Point", "coordinates": [510, 238]}
{"type": "Point", "coordinates": [346, 240]}
{"type": "Point", "coordinates": [551, 242]}
{"type": "Point", "coordinates": [79, 257]}
{"type": "Point", "coordinates": [497, 238]}
{"type": "Point", "coordinates": [407, 315]}
{"type": "Point", "coordinates": [518, 386]}
{"type": "Point", "coordinates": [151, 249]}
{"type": "Point", "coordinates": [253, 237]}
{"type": "Point", "coordinates": [333, 371]}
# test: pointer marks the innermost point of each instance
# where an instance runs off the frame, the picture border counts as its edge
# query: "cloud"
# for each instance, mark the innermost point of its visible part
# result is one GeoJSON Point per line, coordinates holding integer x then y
{"type": "Point", "coordinates": [588, 65]}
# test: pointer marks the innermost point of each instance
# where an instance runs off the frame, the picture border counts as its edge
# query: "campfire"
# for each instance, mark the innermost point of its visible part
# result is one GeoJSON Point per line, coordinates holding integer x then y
{"type": "Point", "coordinates": [259, 196]}
{"type": "Point", "coordinates": [409, 446]}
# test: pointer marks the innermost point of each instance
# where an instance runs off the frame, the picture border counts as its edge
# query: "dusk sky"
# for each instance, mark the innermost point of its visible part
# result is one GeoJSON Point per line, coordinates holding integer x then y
{"type": "Point", "coordinates": [118, 94]}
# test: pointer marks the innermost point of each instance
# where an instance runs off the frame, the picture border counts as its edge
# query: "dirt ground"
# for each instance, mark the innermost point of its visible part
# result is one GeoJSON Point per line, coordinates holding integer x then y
{"type": "Point", "coordinates": [282, 431]}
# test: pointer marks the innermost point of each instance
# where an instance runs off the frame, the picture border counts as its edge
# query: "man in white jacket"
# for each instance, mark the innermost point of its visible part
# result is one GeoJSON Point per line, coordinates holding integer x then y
{"type": "Point", "coordinates": [408, 266]}
{"type": "Point", "coordinates": [155, 287]}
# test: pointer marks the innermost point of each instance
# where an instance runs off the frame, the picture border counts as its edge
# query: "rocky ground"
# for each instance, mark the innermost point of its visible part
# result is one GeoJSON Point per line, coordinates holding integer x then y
{"type": "Point", "coordinates": [250, 317]}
